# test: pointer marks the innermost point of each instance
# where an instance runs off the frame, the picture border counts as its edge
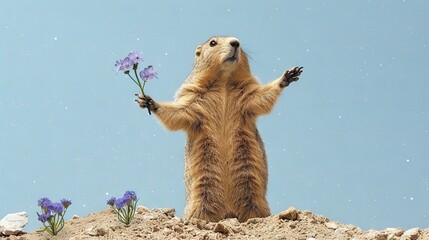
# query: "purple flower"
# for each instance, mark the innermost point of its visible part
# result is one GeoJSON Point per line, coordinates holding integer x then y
{"type": "Point", "coordinates": [120, 202]}
{"type": "Point", "coordinates": [44, 217]}
{"type": "Point", "coordinates": [118, 65]}
{"type": "Point", "coordinates": [111, 201]}
{"type": "Point", "coordinates": [55, 207]}
{"type": "Point", "coordinates": [129, 62]}
{"type": "Point", "coordinates": [135, 57]}
{"type": "Point", "coordinates": [148, 73]}
{"type": "Point", "coordinates": [131, 195]}
{"type": "Point", "coordinates": [44, 202]}
{"type": "Point", "coordinates": [66, 202]}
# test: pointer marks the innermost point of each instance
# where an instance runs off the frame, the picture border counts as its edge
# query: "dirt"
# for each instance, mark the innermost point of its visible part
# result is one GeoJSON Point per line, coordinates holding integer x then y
{"type": "Point", "coordinates": [163, 224]}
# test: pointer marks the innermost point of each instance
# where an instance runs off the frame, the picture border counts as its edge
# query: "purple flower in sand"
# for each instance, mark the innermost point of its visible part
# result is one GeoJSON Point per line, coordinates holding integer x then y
{"type": "Point", "coordinates": [148, 73]}
{"type": "Point", "coordinates": [44, 202]}
{"type": "Point", "coordinates": [131, 195]}
{"type": "Point", "coordinates": [44, 217]}
{"type": "Point", "coordinates": [66, 202]}
{"type": "Point", "coordinates": [52, 214]}
{"type": "Point", "coordinates": [55, 207]}
{"type": "Point", "coordinates": [120, 202]}
{"type": "Point", "coordinates": [111, 201]}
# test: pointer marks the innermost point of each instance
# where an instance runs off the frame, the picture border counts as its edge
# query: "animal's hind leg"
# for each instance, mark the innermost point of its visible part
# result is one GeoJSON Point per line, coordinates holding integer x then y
{"type": "Point", "coordinates": [206, 190]}
{"type": "Point", "coordinates": [249, 180]}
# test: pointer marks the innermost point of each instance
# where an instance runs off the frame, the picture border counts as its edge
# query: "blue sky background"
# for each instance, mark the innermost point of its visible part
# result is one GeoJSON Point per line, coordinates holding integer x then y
{"type": "Point", "coordinates": [350, 140]}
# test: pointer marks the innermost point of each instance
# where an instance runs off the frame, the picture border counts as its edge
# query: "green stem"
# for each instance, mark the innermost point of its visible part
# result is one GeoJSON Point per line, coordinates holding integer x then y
{"type": "Point", "coordinates": [141, 87]}
{"type": "Point", "coordinates": [133, 79]}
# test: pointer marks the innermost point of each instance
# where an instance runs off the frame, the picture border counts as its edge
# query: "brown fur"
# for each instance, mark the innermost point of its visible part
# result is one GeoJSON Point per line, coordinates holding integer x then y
{"type": "Point", "coordinates": [226, 169]}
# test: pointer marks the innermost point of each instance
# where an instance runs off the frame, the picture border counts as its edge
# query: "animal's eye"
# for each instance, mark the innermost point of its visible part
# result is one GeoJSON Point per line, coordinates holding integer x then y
{"type": "Point", "coordinates": [213, 43]}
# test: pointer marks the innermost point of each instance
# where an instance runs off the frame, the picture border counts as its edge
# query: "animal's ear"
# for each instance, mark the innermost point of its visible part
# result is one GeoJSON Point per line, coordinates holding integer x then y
{"type": "Point", "coordinates": [198, 51]}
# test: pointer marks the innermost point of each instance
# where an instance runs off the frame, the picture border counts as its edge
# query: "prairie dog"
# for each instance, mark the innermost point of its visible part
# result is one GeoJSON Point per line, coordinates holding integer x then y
{"type": "Point", "coordinates": [226, 169]}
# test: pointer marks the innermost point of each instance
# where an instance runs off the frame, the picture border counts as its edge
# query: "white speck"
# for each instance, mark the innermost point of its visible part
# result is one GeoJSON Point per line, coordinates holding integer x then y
{"type": "Point", "coordinates": [339, 117]}
{"type": "Point", "coordinates": [55, 38]}
{"type": "Point", "coordinates": [350, 200]}
{"type": "Point", "coordinates": [381, 65]}
{"type": "Point", "coordinates": [138, 39]}
{"type": "Point", "coordinates": [411, 198]}
{"type": "Point", "coordinates": [84, 205]}
{"type": "Point", "coordinates": [274, 70]}
{"type": "Point", "coordinates": [154, 135]}
{"type": "Point", "coordinates": [66, 107]}
{"type": "Point", "coordinates": [278, 58]}
{"type": "Point", "coordinates": [228, 9]}
{"type": "Point", "coordinates": [166, 54]}
{"type": "Point", "coordinates": [107, 193]}
{"type": "Point", "coordinates": [284, 149]}
{"type": "Point", "coordinates": [308, 50]}
{"type": "Point", "coordinates": [34, 181]}
{"type": "Point", "coordinates": [6, 27]}
{"type": "Point", "coordinates": [408, 160]}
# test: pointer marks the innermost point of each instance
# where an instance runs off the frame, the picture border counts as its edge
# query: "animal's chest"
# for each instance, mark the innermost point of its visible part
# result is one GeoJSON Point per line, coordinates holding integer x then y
{"type": "Point", "coordinates": [220, 110]}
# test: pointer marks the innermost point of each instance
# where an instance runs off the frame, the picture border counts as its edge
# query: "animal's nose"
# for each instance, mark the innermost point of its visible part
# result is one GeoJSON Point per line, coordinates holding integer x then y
{"type": "Point", "coordinates": [235, 43]}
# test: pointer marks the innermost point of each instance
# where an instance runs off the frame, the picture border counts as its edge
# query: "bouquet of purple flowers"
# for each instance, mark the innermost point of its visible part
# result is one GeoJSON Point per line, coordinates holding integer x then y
{"type": "Point", "coordinates": [131, 62]}
{"type": "Point", "coordinates": [125, 206]}
{"type": "Point", "coordinates": [52, 215]}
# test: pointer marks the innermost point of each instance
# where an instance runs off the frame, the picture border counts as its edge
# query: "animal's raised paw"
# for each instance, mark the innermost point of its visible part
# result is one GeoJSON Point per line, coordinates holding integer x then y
{"type": "Point", "coordinates": [291, 75]}
{"type": "Point", "coordinates": [146, 101]}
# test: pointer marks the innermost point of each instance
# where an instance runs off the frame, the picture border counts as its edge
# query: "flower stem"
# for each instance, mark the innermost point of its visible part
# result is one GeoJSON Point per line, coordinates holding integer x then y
{"type": "Point", "coordinates": [141, 87]}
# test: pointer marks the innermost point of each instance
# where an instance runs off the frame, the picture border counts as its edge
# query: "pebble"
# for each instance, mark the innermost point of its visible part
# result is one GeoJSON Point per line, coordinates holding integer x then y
{"type": "Point", "coordinates": [95, 231]}
{"type": "Point", "coordinates": [255, 220]}
{"type": "Point", "coordinates": [394, 232]}
{"type": "Point", "coordinates": [289, 214]}
{"type": "Point", "coordinates": [220, 228]}
{"type": "Point", "coordinates": [150, 217]}
{"type": "Point", "coordinates": [331, 225]}
{"type": "Point", "coordinates": [169, 211]}
{"type": "Point", "coordinates": [198, 222]}
{"type": "Point", "coordinates": [12, 224]}
{"type": "Point", "coordinates": [376, 235]}
{"type": "Point", "coordinates": [341, 230]}
{"type": "Point", "coordinates": [412, 233]}
{"type": "Point", "coordinates": [231, 222]}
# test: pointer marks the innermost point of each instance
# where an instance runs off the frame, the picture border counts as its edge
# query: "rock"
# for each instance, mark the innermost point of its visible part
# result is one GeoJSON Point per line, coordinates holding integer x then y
{"type": "Point", "coordinates": [289, 214]}
{"type": "Point", "coordinates": [155, 229]}
{"type": "Point", "coordinates": [198, 222]}
{"type": "Point", "coordinates": [169, 211]}
{"type": "Point", "coordinates": [331, 225]}
{"type": "Point", "coordinates": [394, 232]}
{"type": "Point", "coordinates": [220, 228]}
{"type": "Point", "coordinates": [231, 222]}
{"type": "Point", "coordinates": [411, 234]}
{"type": "Point", "coordinates": [341, 230]}
{"type": "Point", "coordinates": [292, 225]}
{"type": "Point", "coordinates": [376, 235]}
{"type": "Point", "coordinates": [150, 217]}
{"type": "Point", "coordinates": [255, 220]}
{"type": "Point", "coordinates": [95, 232]}
{"type": "Point", "coordinates": [12, 224]}
{"type": "Point", "coordinates": [75, 217]}
{"type": "Point", "coordinates": [178, 229]}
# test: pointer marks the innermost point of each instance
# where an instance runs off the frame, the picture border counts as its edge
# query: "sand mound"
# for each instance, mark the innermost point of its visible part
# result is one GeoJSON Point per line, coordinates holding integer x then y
{"type": "Point", "coordinates": [163, 224]}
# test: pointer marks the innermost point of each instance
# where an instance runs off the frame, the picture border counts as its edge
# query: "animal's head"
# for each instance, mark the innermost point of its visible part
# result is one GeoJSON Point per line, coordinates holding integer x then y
{"type": "Point", "coordinates": [223, 53]}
